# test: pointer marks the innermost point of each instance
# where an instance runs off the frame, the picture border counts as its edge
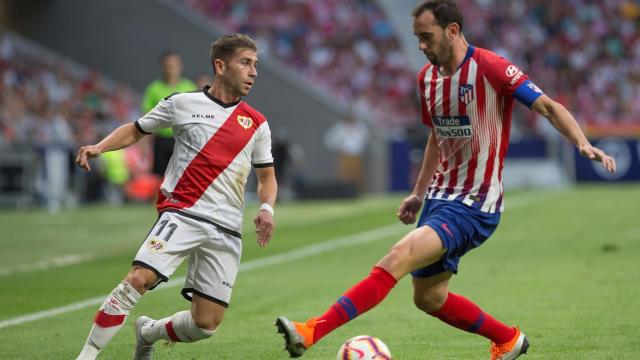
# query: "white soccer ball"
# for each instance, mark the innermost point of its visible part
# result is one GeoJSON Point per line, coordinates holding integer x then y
{"type": "Point", "coordinates": [364, 347]}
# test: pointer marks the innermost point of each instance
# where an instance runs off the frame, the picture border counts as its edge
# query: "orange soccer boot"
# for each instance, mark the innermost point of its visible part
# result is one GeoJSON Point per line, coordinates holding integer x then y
{"type": "Point", "coordinates": [298, 337]}
{"type": "Point", "coordinates": [512, 349]}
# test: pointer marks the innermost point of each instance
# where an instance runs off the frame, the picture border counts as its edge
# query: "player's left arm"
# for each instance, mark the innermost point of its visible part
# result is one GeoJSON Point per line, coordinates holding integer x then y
{"type": "Point", "coordinates": [509, 80]}
{"type": "Point", "coordinates": [267, 192]}
{"type": "Point", "coordinates": [267, 185]}
{"type": "Point", "coordinates": [566, 124]}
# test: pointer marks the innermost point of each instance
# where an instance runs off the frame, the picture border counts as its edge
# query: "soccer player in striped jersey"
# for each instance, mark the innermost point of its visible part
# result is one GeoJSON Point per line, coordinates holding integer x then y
{"type": "Point", "coordinates": [201, 201]}
{"type": "Point", "coordinates": [467, 97]}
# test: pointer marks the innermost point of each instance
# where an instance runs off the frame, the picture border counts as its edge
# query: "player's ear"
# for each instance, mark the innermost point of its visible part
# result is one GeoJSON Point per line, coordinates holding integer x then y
{"type": "Point", "coordinates": [218, 66]}
{"type": "Point", "coordinates": [452, 30]}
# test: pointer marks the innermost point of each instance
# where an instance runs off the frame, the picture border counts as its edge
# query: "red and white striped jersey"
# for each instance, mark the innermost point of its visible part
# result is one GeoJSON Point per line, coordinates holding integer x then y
{"type": "Point", "coordinates": [215, 146]}
{"type": "Point", "coordinates": [470, 113]}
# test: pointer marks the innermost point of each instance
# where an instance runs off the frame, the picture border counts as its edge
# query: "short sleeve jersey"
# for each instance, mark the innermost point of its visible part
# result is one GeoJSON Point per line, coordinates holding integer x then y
{"type": "Point", "coordinates": [158, 90]}
{"type": "Point", "coordinates": [216, 145]}
{"type": "Point", "coordinates": [470, 113]}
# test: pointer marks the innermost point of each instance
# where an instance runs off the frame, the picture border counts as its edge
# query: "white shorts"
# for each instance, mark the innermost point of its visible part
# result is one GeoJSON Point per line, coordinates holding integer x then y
{"type": "Point", "coordinates": [214, 255]}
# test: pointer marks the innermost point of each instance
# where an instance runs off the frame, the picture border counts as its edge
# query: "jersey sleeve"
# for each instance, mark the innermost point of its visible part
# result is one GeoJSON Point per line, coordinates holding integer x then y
{"type": "Point", "coordinates": [261, 155]}
{"type": "Point", "coordinates": [160, 117]}
{"type": "Point", "coordinates": [509, 80]}
{"type": "Point", "coordinates": [426, 118]}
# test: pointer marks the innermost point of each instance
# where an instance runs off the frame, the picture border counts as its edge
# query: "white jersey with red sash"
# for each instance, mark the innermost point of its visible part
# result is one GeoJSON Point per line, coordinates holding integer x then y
{"type": "Point", "coordinates": [216, 145]}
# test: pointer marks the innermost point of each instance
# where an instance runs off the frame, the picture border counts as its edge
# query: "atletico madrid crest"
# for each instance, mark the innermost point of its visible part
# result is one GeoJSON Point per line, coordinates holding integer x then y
{"type": "Point", "coordinates": [465, 93]}
{"type": "Point", "coordinates": [245, 121]}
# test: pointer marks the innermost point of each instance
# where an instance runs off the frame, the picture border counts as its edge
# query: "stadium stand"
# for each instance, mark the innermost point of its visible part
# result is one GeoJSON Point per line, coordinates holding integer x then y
{"type": "Point", "coordinates": [48, 105]}
{"type": "Point", "coordinates": [346, 47]}
{"type": "Point", "coordinates": [349, 47]}
{"type": "Point", "coordinates": [584, 53]}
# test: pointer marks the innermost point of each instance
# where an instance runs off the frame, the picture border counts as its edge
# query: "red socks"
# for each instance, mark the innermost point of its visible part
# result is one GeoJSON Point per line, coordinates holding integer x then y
{"type": "Point", "coordinates": [457, 310]}
{"type": "Point", "coordinates": [359, 299]}
{"type": "Point", "coordinates": [461, 313]}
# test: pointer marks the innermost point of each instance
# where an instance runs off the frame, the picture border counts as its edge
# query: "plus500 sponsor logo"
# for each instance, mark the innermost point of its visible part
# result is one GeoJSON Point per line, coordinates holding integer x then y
{"type": "Point", "coordinates": [453, 127]}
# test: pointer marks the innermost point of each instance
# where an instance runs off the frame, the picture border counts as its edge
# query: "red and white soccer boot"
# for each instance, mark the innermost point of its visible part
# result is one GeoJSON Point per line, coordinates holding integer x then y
{"type": "Point", "coordinates": [144, 348]}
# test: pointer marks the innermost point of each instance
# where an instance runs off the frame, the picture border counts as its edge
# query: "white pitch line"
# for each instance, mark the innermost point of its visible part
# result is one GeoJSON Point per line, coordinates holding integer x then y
{"type": "Point", "coordinates": [66, 260]}
{"type": "Point", "coordinates": [341, 242]}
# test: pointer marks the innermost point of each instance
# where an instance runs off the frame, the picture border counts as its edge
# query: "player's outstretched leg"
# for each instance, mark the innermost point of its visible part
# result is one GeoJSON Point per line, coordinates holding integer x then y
{"type": "Point", "coordinates": [109, 319]}
{"type": "Point", "coordinates": [419, 248]}
{"type": "Point", "coordinates": [356, 301]}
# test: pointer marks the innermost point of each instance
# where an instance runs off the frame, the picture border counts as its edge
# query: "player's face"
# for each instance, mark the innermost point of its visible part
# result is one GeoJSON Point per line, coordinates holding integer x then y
{"type": "Point", "coordinates": [431, 38]}
{"type": "Point", "coordinates": [240, 72]}
{"type": "Point", "coordinates": [172, 67]}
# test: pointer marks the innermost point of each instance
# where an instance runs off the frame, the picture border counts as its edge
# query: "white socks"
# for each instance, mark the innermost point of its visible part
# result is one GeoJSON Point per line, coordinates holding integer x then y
{"type": "Point", "coordinates": [109, 319]}
{"type": "Point", "coordinates": [177, 328]}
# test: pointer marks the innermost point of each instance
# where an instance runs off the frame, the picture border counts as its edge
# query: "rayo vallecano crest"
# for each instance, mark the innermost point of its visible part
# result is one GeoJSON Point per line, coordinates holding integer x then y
{"type": "Point", "coordinates": [245, 121]}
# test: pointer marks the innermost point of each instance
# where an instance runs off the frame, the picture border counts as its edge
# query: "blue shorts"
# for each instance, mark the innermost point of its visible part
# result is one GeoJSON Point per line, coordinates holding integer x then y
{"type": "Point", "coordinates": [460, 227]}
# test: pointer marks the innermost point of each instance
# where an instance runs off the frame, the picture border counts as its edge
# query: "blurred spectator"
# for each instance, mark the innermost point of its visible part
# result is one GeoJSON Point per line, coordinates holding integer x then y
{"type": "Point", "coordinates": [116, 175]}
{"type": "Point", "coordinates": [142, 185]}
{"type": "Point", "coordinates": [47, 106]}
{"type": "Point", "coordinates": [289, 159]}
{"type": "Point", "coordinates": [346, 47]}
{"type": "Point", "coordinates": [586, 52]}
{"type": "Point", "coordinates": [349, 48]}
{"type": "Point", "coordinates": [170, 81]}
{"type": "Point", "coordinates": [349, 138]}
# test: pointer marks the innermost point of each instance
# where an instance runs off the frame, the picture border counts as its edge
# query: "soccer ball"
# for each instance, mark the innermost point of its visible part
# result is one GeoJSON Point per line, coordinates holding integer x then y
{"type": "Point", "coordinates": [364, 347]}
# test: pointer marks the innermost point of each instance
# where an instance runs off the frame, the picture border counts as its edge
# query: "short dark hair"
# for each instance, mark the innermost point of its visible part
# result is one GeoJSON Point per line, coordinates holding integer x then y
{"type": "Point", "coordinates": [445, 11]}
{"type": "Point", "coordinates": [226, 46]}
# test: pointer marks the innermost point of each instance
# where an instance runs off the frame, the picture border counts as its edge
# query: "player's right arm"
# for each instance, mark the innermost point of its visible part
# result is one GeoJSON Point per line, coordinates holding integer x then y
{"type": "Point", "coordinates": [411, 205]}
{"type": "Point", "coordinates": [120, 138]}
{"type": "Point", "coordinates": [160, 117]}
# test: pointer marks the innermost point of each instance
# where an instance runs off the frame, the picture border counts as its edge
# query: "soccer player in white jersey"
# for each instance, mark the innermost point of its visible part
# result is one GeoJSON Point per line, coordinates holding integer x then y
{"type": "Point", "coordinates": [201, 201]}
{"type": "Point", "coordinates": [467, 96]}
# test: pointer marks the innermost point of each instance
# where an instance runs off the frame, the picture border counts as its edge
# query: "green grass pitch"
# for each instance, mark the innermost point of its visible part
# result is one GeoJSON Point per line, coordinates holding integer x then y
{"type": "Point", "coordinates": [563, 265]}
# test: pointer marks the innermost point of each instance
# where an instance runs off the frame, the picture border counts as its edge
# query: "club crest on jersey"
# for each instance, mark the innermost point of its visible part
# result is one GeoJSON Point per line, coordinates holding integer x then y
{"type": "Point", "coordinates": [465, 93]}
{"type": "Point", "coordinates": [156, 245]}
{"type": "Point", "coordinates": [245, 121]}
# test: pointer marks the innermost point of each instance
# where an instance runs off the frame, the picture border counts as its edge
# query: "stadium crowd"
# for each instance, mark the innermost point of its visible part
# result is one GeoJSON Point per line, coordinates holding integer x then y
{"type": "Point", "coordinates": [586, 53]}
{"type": "Point", "coordinates": [43, 102]}
{"type": "Point", "coordinates": [346, 47]}
{"type": "Point", "coordinates": [48, 106]}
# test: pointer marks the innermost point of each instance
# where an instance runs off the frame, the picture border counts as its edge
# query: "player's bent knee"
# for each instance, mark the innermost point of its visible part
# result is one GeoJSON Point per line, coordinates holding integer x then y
{"type": "Point", "coordinates": [141, 279]}
{"type": "Point", "coordinates": [396, 261]}
{"type": "Point", "coordinates": [429, 302]}
{"type": "Point", "coordinates": [209, 323]}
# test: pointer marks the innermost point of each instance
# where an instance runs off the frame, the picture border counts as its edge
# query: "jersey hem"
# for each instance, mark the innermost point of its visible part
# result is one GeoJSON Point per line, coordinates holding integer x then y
{"type": "Point", "coordinates": [460, 199]}
{"type": "Point", "coordinates": [198, 218]}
